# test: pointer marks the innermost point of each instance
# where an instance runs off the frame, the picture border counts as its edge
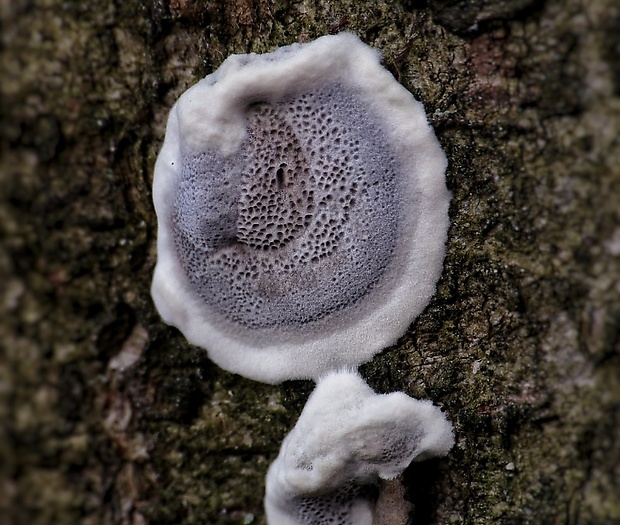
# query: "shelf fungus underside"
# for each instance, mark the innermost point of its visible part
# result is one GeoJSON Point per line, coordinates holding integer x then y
{"type": "Point", "coordinates": [302, 211]}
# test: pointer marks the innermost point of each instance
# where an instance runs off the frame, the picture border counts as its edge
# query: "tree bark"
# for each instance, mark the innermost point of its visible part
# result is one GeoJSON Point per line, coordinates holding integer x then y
{"type": "Point", "coordinates": [109, 416]}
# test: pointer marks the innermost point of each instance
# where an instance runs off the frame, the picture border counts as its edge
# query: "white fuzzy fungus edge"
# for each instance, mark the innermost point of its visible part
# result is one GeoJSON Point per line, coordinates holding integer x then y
{"type": "Point", "coordinates": [211, 117]}
{"type": "Point", "coordinates": [346, 439]}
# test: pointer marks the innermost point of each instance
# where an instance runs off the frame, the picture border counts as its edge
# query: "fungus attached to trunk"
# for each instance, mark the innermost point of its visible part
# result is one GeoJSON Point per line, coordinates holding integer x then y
{"type": "Point", "coordinates": [346, 439]}
{"type": "Point", "coordinates": [302, 211]}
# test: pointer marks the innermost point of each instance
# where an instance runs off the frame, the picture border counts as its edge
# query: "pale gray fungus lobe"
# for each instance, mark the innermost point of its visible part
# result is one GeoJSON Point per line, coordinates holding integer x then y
{"type": "Point", "coordinates": [347, 439]}
{"type": "Point", "coordinates": [301, 223]}
{"type": "Point", "coordinates": [302, 211]}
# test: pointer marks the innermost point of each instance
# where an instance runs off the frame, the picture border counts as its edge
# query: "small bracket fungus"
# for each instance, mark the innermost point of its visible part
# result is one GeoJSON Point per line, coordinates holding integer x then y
{"type": "Point", "coordinates": [302, 211]}
{"type": "Point", "coordinates": [348, 437]}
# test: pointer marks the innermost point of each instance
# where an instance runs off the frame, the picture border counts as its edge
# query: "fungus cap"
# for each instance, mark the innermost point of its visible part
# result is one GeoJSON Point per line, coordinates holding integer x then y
{"type": "Point", "coordinates": [302, 211]}
{"type": "Point", "coordinates": [346, 439]}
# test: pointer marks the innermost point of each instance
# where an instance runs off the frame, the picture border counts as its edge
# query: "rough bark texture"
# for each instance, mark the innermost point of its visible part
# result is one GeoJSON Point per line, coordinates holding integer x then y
{"type": "Point", "coordinates": [109, 416]}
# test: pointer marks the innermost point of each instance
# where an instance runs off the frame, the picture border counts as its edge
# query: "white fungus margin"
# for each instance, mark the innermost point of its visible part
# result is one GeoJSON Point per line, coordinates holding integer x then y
{"type": "Point", "coordinates": [302, 211]}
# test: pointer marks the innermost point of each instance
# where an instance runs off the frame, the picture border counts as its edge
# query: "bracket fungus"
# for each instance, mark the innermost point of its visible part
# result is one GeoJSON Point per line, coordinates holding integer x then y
{"type": "Point", "coordinates": [302, 211]}
{"type": "Point", "coordinates": [346, 439]}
